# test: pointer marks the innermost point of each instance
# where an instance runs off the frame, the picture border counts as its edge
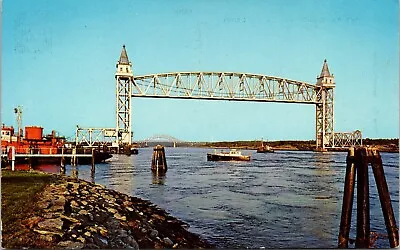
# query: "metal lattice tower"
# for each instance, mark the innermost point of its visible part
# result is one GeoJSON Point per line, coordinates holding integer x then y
{"type": "Point", "coordinates": [124, 78]}
{"type": "Point", "coordinates": [324, 109]}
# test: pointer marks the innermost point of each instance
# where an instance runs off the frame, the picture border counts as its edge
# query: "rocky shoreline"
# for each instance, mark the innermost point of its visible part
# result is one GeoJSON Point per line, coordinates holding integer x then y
{"type": "Point", "coordinates": [77, 214]}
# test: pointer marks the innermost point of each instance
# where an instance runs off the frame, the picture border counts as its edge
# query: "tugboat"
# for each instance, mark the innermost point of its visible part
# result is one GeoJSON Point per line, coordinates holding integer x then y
{"type": "Point", "coordinates": [264, 149]}
{"type": "Point", "coordinates": [232, 155]}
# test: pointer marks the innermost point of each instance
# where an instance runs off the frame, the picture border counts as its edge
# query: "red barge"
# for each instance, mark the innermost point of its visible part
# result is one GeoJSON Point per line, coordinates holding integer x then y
{"type": "Point", "coordinates": [35, 143]}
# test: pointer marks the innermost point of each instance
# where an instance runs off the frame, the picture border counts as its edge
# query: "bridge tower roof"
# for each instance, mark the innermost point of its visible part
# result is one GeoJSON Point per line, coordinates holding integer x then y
{"type": "Point", "coordinates": [123, 59]}
{"type": "Point", "coordinates": [325, 70]}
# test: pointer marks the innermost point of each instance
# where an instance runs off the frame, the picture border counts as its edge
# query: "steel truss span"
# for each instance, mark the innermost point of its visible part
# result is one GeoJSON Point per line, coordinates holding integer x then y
{"type": "Point", "coordinates": [224, 86]}
{"type": "Point", "coordinates": [95, 136]}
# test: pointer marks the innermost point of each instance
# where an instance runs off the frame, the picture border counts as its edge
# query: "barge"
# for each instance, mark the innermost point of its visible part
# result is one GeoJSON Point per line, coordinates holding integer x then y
{"type": "Point", "coordinates": [50, 146]}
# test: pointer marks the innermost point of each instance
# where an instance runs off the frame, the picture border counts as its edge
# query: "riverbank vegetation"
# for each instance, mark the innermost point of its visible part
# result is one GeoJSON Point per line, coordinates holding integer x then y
{"type": "Point", "coordinates": [383, 145]}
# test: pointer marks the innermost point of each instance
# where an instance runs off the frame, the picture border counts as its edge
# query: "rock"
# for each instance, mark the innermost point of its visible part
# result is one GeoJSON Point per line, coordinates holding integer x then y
{"type": "Point", "coordinates": [119, 217]}
{"type": "Point", "coordinates": [91, 229]}
{"type": "Point", "coordinates": [100, 241]}
{"type": "Point", "coordinates": [168, 242]}
{"type": "Point", "coordinates": [44, 204]}
{"type": "Point", "coordinates": [51, 224]}
{"type": "Point", "coordinates": [158, 217]}
{"type": "Point", "coordinates": [131, 242]}
{"type": "Point", "coordinates": [81, 239]}
{"type": "Point", "coordinates": [73, 220]}
{"type": "Point", "coordinates": [121, 233]}
{"type": "Point", "coordinates": [112, 210]}
{"type": "Point", "coordinates": [70, 244]}
{"type": "Point", "coordinates": [83, 212]}
{"type": "Point", "coordinates": [32, 222]}
{"type": "Point", "coordinates": [47, 232]}
{"type": "Point", "coordinates": [60, 200]}
{"type": "Point", "coordinates": [74, 204]}
{"type": "Point", "coordinates": [49, 216]}
{"type": "Point", "coordinates": [46, 237]}
{"type": "Point", "coordinates": [103, 232]}
{"type": "Point", "coordinates": [153, 233]}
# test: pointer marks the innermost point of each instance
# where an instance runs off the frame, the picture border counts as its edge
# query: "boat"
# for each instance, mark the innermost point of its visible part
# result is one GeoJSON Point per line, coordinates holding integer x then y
{"type": "Point", "coordinates": [264, 148]}
{"type": "Point", "coordinates": [33, 142]}
{"type": "Point", "coordinates": [134, 151]}
{"type": "Point", "coordinates": [232, 155]}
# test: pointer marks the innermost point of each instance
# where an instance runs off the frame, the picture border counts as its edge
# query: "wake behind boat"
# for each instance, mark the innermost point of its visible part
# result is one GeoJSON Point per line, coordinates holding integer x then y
{"type": "Point", "coordinates": [232, 155]}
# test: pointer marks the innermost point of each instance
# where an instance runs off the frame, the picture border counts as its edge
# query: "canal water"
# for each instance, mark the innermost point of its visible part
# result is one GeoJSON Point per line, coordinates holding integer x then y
{"type": "Point", "coordinates": [286, 199]}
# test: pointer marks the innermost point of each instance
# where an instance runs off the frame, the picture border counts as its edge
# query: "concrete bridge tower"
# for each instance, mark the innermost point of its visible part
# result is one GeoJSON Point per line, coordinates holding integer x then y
{"type": "Point", "coordinates": [324, 110]}
{"type": "Point", "coordinates": [124, 78]}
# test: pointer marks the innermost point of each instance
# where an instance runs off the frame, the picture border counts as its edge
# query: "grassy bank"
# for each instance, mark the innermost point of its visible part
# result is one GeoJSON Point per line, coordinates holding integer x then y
{"type": "Point", "coordinates": [18, 195]}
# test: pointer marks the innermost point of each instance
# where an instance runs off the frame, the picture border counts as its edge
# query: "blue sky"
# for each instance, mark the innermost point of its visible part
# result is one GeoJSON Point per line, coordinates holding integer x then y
{"type": "Point", "coordinates": [58, 62]}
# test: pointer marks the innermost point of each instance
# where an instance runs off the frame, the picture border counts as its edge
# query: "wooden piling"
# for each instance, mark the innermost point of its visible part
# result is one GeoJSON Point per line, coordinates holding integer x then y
{"type": "Point", "coordinates": [363, 222]}
{"type": "Point", "coordinates": [362, 157]}
{"type": "Point", "coordinates": [384, 197]}
{"type": "Point", "coordinates": [93, 165]}
{"type": "Point", "coordinates": [159, 162]}
{"type": "Point", "coordinates": [348, 197]}
{"type": "Point", "coordinates": [73, 158]}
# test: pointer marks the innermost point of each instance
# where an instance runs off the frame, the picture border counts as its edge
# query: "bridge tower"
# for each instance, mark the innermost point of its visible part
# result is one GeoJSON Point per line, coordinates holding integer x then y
{"type": "Point", "coordinates": [123, 77]}
{"type": "Point", "coordinates": [324, 109]}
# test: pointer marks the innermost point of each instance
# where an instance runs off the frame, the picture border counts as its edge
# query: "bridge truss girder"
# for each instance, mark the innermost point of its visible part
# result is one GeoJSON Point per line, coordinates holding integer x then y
{"type": "Point", "coordinates": [223, 86]}
{"type": "Point", "coordinates": [91, 137]}
{"type": "Point", "coordinates": [348, 139]}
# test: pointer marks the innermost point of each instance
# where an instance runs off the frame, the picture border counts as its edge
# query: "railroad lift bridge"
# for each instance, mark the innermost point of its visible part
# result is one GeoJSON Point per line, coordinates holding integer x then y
{"type": "Point", "coordinates": [228, 86]}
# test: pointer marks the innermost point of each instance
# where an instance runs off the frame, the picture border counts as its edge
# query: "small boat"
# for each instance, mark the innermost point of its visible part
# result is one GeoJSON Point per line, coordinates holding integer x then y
{"type": "Point", "coordinates": [264, 149]}
{"type": "Point", "coordinates": [134, 151]}
{"type": "Point", "coordinates": [232, 155]}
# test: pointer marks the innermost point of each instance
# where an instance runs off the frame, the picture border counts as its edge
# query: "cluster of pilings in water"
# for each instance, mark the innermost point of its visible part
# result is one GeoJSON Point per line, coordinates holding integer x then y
{"type": "Point", "coordinates": [358, 160]}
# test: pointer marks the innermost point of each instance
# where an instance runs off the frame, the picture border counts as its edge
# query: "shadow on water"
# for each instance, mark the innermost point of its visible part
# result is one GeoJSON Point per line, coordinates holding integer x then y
{"type": "Point", "coordinates": [158, 178]}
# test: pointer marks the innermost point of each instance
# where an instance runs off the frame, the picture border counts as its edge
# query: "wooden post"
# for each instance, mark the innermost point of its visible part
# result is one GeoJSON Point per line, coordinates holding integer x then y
{"type": "Point", "coordinates": [93, 165]}
{"type": "Point", "coordinates": [348, 197]}
{"type": "Point", "coordinates": [384, 197]}
{"type": "Point", "coordinates": [11, 157]}
{"type": "Point", "coordinates": [73, 158]}
{"type": "Point", "coordinates": [363, 223]}
{"type": "Point", "coordinates": [159, 162]}
{"type": "Point", "coordinates": [62, 163]}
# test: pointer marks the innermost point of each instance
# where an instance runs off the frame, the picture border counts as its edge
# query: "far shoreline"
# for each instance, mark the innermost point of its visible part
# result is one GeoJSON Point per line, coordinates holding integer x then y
{"type": "Point", "coordinates": [383, 145]}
